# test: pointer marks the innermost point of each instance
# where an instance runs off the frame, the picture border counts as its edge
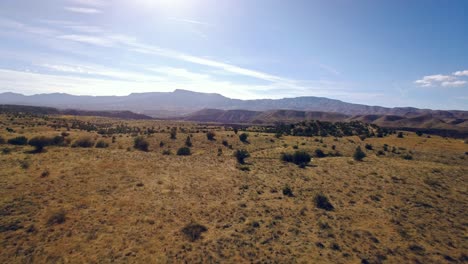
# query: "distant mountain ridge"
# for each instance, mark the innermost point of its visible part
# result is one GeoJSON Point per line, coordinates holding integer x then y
{"type": "Point", "coordinates": [429, 122]}
{"type": "Point", "coordinates": [180, 102]}
{"type": "Point", "coordinates": [39, 110]}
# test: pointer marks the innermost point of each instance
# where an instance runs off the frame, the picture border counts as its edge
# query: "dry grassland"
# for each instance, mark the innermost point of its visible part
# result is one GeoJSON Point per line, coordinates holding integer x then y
{"type": "Point", "coordinates": [118, 204]}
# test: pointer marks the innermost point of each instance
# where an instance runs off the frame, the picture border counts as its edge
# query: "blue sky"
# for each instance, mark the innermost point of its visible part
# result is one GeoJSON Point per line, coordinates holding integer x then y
{"type": "Point", "coordinates": [390, 53]}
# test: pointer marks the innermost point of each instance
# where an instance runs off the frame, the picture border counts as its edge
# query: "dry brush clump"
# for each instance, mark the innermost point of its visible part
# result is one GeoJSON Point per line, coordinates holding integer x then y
{"type": "Point", "coordinates": [141, 143]}
{"type": "Point", "coordinates": [83, 142]}
{"type": "Point", "coordinates": [300, 158]}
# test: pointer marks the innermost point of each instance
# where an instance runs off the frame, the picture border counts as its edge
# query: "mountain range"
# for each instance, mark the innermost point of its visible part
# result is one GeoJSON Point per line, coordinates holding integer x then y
{"type": "Point", "coordinates": [211, 107]}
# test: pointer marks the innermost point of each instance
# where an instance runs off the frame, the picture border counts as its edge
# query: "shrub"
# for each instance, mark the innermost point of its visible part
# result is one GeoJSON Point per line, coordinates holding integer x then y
{"type": "Point", "coordinates": [210, 135]}
{"type": "Point", "coordinates": [183, 151]}
{"type": "Point", "coordinates": [193, 231]}
{"type": "Point", "coordinates": [173, 133]}
{"type": "Point", "coordinates": [19, 141]}
{"type": "Point", "coordinates": [287, 157]}
{"type": "Point", "coordinates": [45, 173]}
{"type": "Point", "coordinates": [319, 153]}
{"type": "Point", "coordinates": [241, 155]}
{"type": "Point", "coordinates": [6, 151]}
{"type": "Point", "coordinates": [400, 135]}
{"type": "Point", "coordinates": [236, 130]}
{"type": "Point", "coordinates": [39, 143]}
{"type": "Point", "coordinates": [300, 158]}
{"type": "Point", "coordinates": [225, 143]}
{"type": "Point", "coordinates": [140, 143]}
{"type": "Point", "coordinates": [102, 144]}
{"type": "Point", "coordinates": [83, 142]}
{"type": "Point", "coordinates": [166, 152]}
{"type": "Point", "coordinates": [58, 141]}
{"type": "Point", "coordinates": [322, 202]}
{"type": "Point", "coordinates": [58, 217]}
{"type": "Point", "coordinates": [419, 133]}
{"type": "Point", "coordinates": [243, 137]}
{"type": "Point", "coordinates": [2, 140]}
{"type": "Point", "coordinates": [359, 154]}
{"type": "Point", "coordinates": [161, 144]}
{"type": "Point", "coordinates": [287, 191]}
{"type": "Point", "coordinates": [407, 157]}
{"type": "Point", "coordinates": [368, 146]}
{"type": "Point", "coordinates": [188, 142]}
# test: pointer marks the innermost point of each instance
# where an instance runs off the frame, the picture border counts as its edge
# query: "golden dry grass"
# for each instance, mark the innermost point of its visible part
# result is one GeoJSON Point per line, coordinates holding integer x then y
{"type": "Point", "coordinates": [124, 205]}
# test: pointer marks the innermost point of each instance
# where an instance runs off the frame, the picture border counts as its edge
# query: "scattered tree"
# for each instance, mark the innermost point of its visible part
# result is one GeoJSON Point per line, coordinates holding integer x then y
{"type": "Point", "coordinates": [140, 143]}
{"type": "Point", "coordinates": [241, 155]}
{"type": "Point", "coordinates": [243, 137]}
{"type": "Point", "coordinates": [188, 142]}
{"type": "Point", "coordinates": [210, 135]}
{"type": "Point", "coordinates": [359, 154]}
{"type": "Point", "coordinates": [173, 133]}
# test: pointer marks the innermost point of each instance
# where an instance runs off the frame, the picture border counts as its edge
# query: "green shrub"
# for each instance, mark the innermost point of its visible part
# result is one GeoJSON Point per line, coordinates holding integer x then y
{"type": "Point", "coordinates": [241, 155]}
{"type": "Point", "coordinates": [322, 202]}
{"type": "Point", "coordinates": [243, 137]}
{"type": "Point", "coordinates": [102, 144]}
{"type": "Point", "coordinates": [225, 143]}
{"type": "Point", "coordinates": [19, 141]}
{"type": "Point", "coordinates": [58, 141]}
{"type": "Point", "coordinates": [184, 151]}
{"type": "Point", "coordinates": [210, 135]}
{"type": "Point", "coordinates": [359, 154]}
{"type": "Point", "coordinates": [140, 143]}
{"type": "Point", "coordinates": [368, 146]}
{"type": "Point", "coordinates": [83, 142]}
{"type": "Point", "coordinates": [400, 135]}
{"type": "Point", "coordinates": [40, 142]}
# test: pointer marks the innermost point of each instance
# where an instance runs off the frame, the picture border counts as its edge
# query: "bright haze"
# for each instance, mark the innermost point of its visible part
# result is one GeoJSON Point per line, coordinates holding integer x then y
{"type": "Point", "coordinates": [388, 53]}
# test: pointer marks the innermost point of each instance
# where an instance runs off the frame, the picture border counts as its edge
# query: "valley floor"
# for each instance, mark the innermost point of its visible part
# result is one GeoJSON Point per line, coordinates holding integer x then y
{"type": "Point", "coordinates": [118, 204]}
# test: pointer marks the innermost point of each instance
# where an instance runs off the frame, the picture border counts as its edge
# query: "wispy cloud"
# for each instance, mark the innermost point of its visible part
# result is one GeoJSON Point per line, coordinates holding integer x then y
{"type": "Point", "coordinates": [461, 73]}
{"type": "Point", "coordinates": [95, 3]}
{"type": "Point", "coordinates": [190, 21]}
{"type": "Point", "coordinates": [82, 10]}
{"type": "Point", "coordinates": [441, 80]}
{"type": "Point", "coordinates": [93, 40]}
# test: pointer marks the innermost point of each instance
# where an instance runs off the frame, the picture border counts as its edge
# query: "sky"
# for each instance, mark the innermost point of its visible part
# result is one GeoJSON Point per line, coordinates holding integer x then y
{"type": "Point", "coordinates": [388, 53]}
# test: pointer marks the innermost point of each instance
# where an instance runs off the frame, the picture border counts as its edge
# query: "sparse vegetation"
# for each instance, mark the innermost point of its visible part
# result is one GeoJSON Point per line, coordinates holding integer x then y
{"type": "Point", "coordinates": [300, 158]}
{"type": "Point", "coordinates": [56, 218]}
{"type": "Point", "coordinates": [141, 143]}
{"type": "Point", "coordinates": [322, 202]}
{"type": "Point", "coordinates": [19, 141]}
{"type": "Point", "coordinates": [83, 142]}
{"type": "Point", "coordinates": [194, 231]}
{"type": "Point", "coordinates": [40, 142]}
{"type": "Point", "coordinates": [241, 155]}
{"type": "Point", "coordinates": [243, 137]}
{"type": "Point", "coordinates": [359, 155]}
{"type": "Point", "coordinates": [184, 151]}
{"type": "Point", "coordinates": [210, 135]}
{"type": "Point", "coordinates": [102, 144]}
{"type": "Point", "coordinates": [188, 142]}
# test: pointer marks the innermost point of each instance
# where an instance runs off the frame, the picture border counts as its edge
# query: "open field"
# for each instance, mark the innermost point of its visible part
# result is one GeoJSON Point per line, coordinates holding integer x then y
{"type": "Point", "coordinates": [120, 204]}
